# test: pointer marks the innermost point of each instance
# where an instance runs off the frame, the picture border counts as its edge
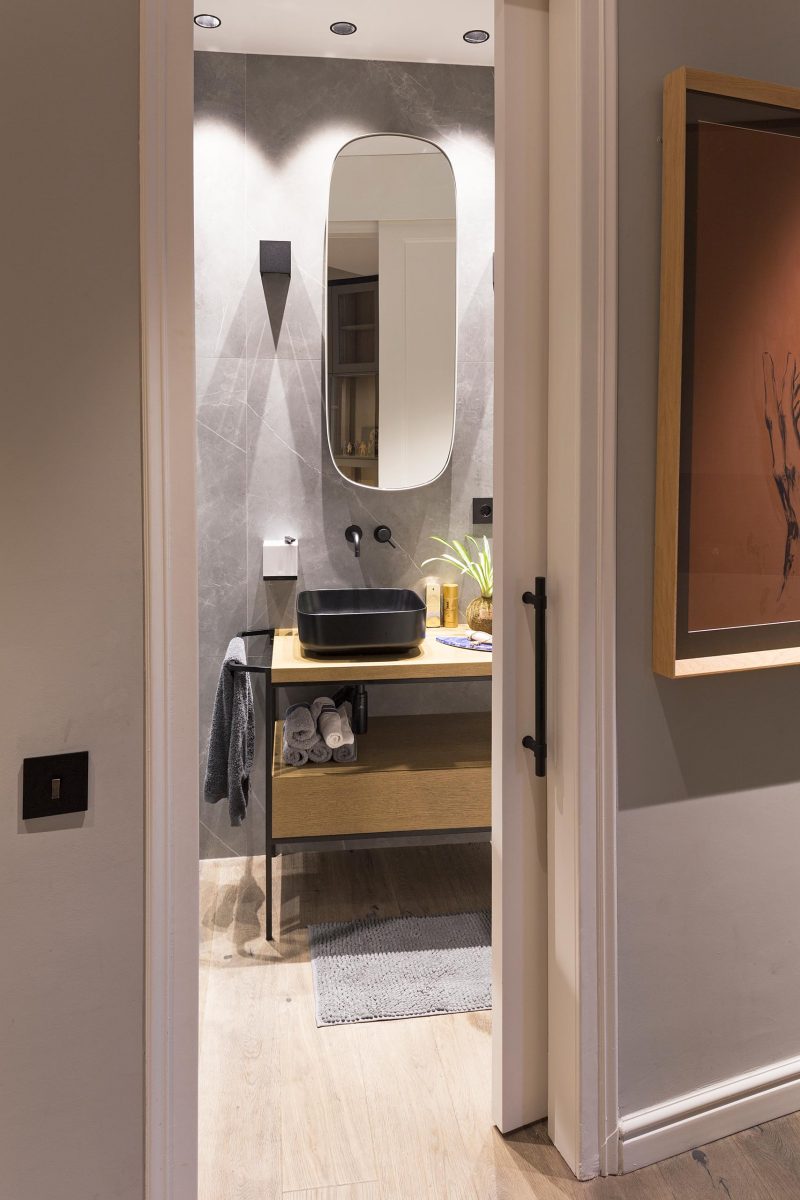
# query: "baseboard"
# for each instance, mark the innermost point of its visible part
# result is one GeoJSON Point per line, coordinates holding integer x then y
{"type": "Point", "coordinates": [708, 1114]}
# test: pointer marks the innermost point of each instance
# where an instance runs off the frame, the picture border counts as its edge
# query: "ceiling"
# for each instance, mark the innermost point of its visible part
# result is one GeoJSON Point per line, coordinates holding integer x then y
{"type": "Point", "coordinates": [415, 31]}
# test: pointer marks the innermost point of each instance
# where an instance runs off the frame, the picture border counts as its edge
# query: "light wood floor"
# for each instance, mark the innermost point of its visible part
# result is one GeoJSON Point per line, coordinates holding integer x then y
{"type": "Point", "coordinates": [396, 1110]}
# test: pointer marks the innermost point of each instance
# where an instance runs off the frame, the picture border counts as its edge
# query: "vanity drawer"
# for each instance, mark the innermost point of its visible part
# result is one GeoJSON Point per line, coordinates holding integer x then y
{"type": "Point", "coordinates": [413, 773]}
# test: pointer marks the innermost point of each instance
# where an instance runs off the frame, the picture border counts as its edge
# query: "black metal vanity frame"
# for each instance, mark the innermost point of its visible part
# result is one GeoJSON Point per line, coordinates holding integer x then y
{"type": "Point", "coordinates": [274, 846]}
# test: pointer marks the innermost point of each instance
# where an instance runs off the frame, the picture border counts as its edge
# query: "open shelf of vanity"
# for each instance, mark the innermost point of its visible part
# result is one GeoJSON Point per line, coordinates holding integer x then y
{"type": "Point", "coordinates": [414, 774]}
{"type": "Point", "coordinates": [417, 778]}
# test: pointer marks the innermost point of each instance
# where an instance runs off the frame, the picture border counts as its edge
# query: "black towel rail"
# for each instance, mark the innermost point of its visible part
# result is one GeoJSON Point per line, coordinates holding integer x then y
{"type": "Point", "coordinates": [264, 669]}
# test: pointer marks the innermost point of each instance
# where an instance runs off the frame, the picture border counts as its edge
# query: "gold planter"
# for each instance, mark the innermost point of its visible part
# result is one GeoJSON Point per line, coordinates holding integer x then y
{"type": "Point", "coordinates": [479, 614]}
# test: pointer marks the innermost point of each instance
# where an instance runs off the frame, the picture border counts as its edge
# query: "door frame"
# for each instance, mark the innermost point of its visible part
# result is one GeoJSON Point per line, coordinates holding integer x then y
{"type": "Point", "coordinates": [582, 1045]}
{"type": "Point", "coordinates": [583, 1108]}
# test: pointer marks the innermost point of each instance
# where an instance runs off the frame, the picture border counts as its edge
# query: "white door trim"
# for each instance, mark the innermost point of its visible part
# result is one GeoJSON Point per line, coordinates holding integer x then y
{"type": "Point", "coordinates": [582, 347]}
{"type": "Point", "coordinates": [709, 1113]}
{"type": "Point", "coordinates": [171, 616]}
{"type": "Point", "coordinates": [582, 1104]}
{"type": "Point", "coordinates": [607, 594]}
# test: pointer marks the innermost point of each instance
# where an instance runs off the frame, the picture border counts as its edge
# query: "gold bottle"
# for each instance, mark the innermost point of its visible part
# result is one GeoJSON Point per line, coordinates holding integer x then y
{"type": "Point", "coordinates": [450, 595]}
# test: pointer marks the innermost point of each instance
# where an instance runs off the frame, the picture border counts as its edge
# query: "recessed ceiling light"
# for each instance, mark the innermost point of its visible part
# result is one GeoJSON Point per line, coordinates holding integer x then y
{"type": "Point", "coordinates": [207, 21]}
{"type": "Point", "coordinates": [475, 36]}
{"type": "Point", "coordinates": [343, 28]}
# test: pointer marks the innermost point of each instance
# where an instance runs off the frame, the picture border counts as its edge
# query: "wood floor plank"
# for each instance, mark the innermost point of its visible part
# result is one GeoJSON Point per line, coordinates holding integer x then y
{"type": "Point", "coordinates": [208, 900]}
{"type": "Point", "coordinates": [463, 1044]}
{"type": "Point", "coordinates": [718, 1169]}
{"type": "Point", "coordinates": [415, 1133]}
{"type": "Point", "coordinates": [323, 1131]}
{"type": "Point", "coordinates": [527, 1164]}
{"type": "Point", "coordinates": [435, 879]}
{"type": "Point", "coordinates": [346, 885]}
{"type": "Point", "coordinates": [646, 1184]}
{"type": "Point", "coordinates": [326, 1139]}
{"type": "Point", "coordinates": [350, 1191]}
{"type": "Point", "coordinates": [773, 1152]}
{"type": "Point", "coordinates": [239, 1088]}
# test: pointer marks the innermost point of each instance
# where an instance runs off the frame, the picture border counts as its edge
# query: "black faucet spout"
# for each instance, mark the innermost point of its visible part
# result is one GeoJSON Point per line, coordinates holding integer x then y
{"type": "Point", "coordinates": [354, 534]}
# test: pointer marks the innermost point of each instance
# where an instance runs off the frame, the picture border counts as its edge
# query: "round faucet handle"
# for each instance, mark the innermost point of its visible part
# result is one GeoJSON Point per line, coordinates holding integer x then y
{"type": "Point", "coordinates": [384, 534]}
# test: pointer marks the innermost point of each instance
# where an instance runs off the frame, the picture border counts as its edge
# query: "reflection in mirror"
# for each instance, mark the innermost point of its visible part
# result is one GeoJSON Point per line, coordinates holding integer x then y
{"type": "Point", "coordinates": [391, 283]}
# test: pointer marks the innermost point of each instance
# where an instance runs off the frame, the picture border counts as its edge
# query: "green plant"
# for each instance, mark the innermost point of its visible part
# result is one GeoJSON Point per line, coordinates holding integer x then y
{"type": "Point", "coordinates": [479, 567]}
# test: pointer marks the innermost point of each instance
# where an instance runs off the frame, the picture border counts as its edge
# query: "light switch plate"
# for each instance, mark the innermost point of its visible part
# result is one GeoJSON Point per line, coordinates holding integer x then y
{"type": "Point", "coordinates": [55, 783]}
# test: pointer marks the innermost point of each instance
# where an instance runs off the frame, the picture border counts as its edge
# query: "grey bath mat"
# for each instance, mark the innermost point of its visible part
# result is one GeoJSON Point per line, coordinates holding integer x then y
{"type": "Point", "coordinates": [382, 970]}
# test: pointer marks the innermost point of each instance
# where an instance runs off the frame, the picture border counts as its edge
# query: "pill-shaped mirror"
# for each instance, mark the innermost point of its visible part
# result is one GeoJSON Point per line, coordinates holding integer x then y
{"type": "Point", "coordinates": [391, 311]}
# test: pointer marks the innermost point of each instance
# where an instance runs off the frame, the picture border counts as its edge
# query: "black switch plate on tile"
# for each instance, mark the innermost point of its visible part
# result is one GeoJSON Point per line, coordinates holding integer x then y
{"type": "Point", "coordinates": [482, 510]}
{"type": "Point", "coordinates": [54, 784]}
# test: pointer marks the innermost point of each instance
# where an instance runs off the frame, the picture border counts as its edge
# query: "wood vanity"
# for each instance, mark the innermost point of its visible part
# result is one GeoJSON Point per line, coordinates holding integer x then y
{"type": "Point", "coordinates": [414, 773]}
{"type": "Point", "coordinates": [416, 777]}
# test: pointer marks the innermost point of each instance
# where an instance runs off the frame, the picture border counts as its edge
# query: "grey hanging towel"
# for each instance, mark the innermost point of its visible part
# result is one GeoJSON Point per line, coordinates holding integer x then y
{"type": "Point", "coordinates": [232, 738]}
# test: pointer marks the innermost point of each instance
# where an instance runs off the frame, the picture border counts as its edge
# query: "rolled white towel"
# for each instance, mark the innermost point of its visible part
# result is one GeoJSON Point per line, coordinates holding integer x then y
{"type": "Point", "coordinates": [299, 726]}
{"type": "Point", "coordinates": [330, 728]}
{"type": "Point", "coordinates": [329, 725]}
{"type": "Point", "coordinates": [319, 753]}
{"type": "Point", "coordinates": [293, 756]}
{"type": "Point", "coordinates": [346, 754]}
{"type": "Point", "coordinates": [344, 712]}
{"type": "Point", "coordinates": [317, 705]}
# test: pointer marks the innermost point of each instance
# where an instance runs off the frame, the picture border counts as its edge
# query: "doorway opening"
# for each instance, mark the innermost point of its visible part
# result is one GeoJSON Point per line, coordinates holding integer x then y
{"type": "Point", "coordinates": [344, 234]}
{"type": "Point", "coordinates": [569, 37]}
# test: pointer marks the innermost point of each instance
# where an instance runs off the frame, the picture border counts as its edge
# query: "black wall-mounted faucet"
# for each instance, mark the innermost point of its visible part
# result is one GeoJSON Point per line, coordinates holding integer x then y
{"type": "Point", "coordinates": [354, 534]}
{"type": "Point", "coordinates": [384, 534]}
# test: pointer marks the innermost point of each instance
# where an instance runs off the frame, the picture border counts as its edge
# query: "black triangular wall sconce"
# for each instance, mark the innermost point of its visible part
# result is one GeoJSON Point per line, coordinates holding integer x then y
{"type": "Point", "coordinates": [275, 258]}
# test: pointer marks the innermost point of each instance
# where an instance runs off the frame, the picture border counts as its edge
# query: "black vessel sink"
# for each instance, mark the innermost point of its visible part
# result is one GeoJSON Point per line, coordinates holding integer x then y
{"type": "Point", "coordinates": [360, 620]}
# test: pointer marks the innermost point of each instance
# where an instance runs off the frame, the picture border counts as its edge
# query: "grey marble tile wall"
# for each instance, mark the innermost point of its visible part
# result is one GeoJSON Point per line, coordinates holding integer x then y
{"type": "Point", "coordinates": [267, 129]}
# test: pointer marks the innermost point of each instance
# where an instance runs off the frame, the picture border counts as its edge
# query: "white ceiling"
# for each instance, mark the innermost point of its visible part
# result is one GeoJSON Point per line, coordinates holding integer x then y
{"type": "Point", "coordinates": [414, 31]}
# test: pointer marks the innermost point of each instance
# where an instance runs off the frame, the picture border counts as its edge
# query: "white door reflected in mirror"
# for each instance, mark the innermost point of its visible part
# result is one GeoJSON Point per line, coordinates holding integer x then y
{"type": "Point", "coordinates": [391, 305]}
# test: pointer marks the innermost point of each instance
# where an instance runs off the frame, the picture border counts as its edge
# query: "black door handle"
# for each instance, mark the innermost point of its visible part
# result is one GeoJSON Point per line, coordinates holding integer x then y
{"type": "Point", "coordinates": [538, 743]}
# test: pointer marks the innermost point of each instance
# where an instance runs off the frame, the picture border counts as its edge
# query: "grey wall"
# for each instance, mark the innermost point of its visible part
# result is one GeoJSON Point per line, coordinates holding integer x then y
{"type": "Point", "coordinates": [709, 769]}
{"type": "Point", "coordinates": [267, 130]}
{"type": "Point", "coordinates": [71, 611]}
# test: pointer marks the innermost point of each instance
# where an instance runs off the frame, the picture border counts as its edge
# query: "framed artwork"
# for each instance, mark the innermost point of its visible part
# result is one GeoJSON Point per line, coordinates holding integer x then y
{"type": "Point", "coordinates": [727, 551]}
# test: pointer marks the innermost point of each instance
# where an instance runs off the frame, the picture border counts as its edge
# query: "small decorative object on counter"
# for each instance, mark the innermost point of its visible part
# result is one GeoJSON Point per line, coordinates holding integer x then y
{"type": "Point", "coordinates": [467, 643]}
{"type": "Point", "coordinates": [433, 603]}
{"type": "Point", "coordinates": [372, 444]}
{"type": "Point", "coordinates": [479, 567]}
{"type": "Point", "coordinates": [450, 593]}
{"type": "Point", "coordinates": [480, 613]}
{"type": "Point", "coordinates": [349, 449]}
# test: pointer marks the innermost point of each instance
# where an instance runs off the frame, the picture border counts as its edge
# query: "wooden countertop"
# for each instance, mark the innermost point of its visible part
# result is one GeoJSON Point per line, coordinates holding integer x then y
{"type": "Point", "coordinates": [431, 660]}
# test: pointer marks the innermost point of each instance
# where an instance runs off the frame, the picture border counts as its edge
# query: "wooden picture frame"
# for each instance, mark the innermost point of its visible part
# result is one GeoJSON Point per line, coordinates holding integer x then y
{"type": "Point", "coordinates": [679, 649]}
